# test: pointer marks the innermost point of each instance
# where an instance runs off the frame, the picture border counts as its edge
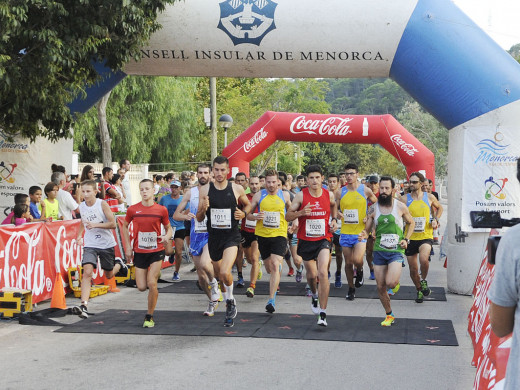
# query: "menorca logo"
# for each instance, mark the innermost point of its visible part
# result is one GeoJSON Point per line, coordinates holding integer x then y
{"type": "Point", "coordinates": [247, 21]}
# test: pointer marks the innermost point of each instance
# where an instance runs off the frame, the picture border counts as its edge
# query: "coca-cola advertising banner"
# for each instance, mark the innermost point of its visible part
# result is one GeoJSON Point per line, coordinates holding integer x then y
{"type": "Point", "coordinates": [384, 130]}
{"type": "Point", "coordinates": [293, 38]}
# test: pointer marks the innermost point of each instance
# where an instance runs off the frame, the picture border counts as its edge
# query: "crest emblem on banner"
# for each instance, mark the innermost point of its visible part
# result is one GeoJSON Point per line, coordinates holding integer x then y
{"type": "Point", "coordinates": [247, 21]}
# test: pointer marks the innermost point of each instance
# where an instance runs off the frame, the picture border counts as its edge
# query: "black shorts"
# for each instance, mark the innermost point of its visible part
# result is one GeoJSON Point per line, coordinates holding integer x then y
{"type": "Point", "coordinates": [414, 245]}
{"type": "Point", "coordinates": [187, 227]}
{"type": "Point", "coordinates": [106, 257]}
{"type": "Point", "coordinates": [309, 250]}
{"type": "Point", "coordinates": [272, 246]}
{"type": "Point", "coordinates": [247, 238]}
{"type": "Point", "coordinates": [179, 234]}
{"type": "Point", "coordinates": [144, 260]}
{"type": "Point", "coordinates": [217, 243]}
{"type": "Point", "coordinates": [335, 239]}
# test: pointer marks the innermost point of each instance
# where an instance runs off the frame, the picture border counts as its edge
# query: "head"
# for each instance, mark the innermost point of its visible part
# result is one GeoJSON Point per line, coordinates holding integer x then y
{"type": "Point", "coordinates": [289, 180]}
{"type": "Point", "coordinates": [87, 173]}
{"type": "Point", "coordinates": [146, 189]}
{"type": "Point", "coordinates": [300, 181]}
{"type": "Point", "coordinates": [254, 184]}
{"type": "Point", "coordinates": [386, 188]}
{"type": "Point", "coordinates": [35, 194]}
{"type": "Point", "coordinates": [107, 173]}
{"type": "Point", "coordinates": [271, 181]}
{"type": "Point", "coordinates": [125, 164]}
{"type": "Point", "coordinates": [203, 171]}
{"type": "Point", "coordinates": [425, 186]}
{"type": "Point", "coordinates": [59, 179]}
{"type": "Point", "coordinates": [314, 176]}
{"type": "Point", "coordinates": [351, 173]}
{"type": "Point", "coordinates": [373, 184]}
{"type": "Point", "coordinates": [121, 172]}
{"type": "Point", "coordinates": [262, 181]}
{"type": "Point", "coordinates": [241, 179]}
{"type": "Point", "coordinates": [89, 189]}
{"type": "Point", "coordinates": [333, 182]}
{"type": "Point", "coordinates": [159, 179]}
{"type": "Point", "coordinates": [342, 179]}
{"type": "Point", "coordinates": [175, 187]}
{"type": "Point", "coordinates": [51, 190]}
{"type": "Point", "coordinates": [58, 168]}
{"type": "Point", "coordinates": [116, 179]}
{"type": "Point", "coordinates": [168, 177]}
{"type": "Point", "coordinates": [220, 169]}
{"type": "Point", "coordinates": [416, 180]}
{"type": "Point", "coordinates": [406, 185]}
{"type": "Point", "coordinates": [21, 199]}
{"type": "Point", "coordinates": [282, 175]}
{"type": "Point", "coordinates": [20, 210]}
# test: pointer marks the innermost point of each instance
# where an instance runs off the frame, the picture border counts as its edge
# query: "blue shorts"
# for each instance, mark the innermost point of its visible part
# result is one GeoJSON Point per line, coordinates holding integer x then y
{"type": "Point", "coordinates": [349, 240]}
{"type": "Point", "coordinates": [385, 258]}
{"type": "Point", "coordinates": [197, 243]}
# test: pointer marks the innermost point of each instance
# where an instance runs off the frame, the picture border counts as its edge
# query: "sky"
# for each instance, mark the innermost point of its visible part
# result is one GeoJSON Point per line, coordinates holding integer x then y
{"type": "Point", "coordinates": [500, 19]}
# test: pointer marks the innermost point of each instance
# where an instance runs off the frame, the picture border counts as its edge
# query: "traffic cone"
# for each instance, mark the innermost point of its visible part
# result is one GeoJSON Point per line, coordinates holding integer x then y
{"type": "Point", "coordinates": [111, 283]}
{"type": "Point", "coordinates": [58, 294]}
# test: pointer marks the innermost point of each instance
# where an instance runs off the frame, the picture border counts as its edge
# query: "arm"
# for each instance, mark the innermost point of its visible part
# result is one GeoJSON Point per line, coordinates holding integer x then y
{"type": "Point", "coordinates": [333, 212]}
{"type": "Point", "coordinates": [293, 212]}
{"type": "Point", "coordinates": [254, 204]}
{"type": "Point", "coordinates": [203, 203]}
{"type": "Point", "coordinates": [242, 198]}
{"type": "Point", "coordinates": [370, 195]}
{"type": "Point", "coordinates": [79, 236]}
{"type": "Point", "coordinates": [337, 196]}
{"type": "Point", "coordinates": [168, 235]}
{"type": "Point", "coordinates": [129, 253]}
{"type": "Point", "coordinates": [113, 193]}
{"type": "Point", "coordinates": [435, 205]}
{"type": "Point", "coordinates": [502, 319]}
{"type": "Point", "coordinates": [111, 220]}
{"type": "Point", "coordinates": [411, 225]}
{"type": "Point", "coordinates": [368, 224]}
{"type": "Point", "coordinates": [179, 214]}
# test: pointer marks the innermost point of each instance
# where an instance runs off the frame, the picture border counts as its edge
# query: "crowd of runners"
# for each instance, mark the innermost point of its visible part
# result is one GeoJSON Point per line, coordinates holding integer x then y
{"type": "Point", "coordinates": [264, 221]}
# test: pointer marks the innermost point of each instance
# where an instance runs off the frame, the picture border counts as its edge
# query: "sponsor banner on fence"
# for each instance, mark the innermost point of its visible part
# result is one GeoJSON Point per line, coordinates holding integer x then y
{"type": "Point", "coordinates": [489, 177]}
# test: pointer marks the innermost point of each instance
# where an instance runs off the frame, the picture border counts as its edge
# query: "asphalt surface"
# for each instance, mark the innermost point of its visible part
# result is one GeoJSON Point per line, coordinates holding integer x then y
{"type": "Point", "coordinates": [37, 358]}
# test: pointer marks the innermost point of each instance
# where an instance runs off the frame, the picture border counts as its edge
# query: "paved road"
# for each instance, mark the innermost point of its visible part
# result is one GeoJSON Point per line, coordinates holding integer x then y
{"type": "Point", "coordinates": [37, 357]}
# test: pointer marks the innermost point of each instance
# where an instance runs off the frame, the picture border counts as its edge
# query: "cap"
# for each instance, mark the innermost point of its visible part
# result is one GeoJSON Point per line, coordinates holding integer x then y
{"type": "Point", "coordinates": [373, 179]}
{"type": "Point", "coordinates": [175, 183]}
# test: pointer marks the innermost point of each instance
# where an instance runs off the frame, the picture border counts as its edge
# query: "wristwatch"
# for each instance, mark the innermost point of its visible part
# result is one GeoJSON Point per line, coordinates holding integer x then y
{"type": "Point", "coordinates": [407, 240]}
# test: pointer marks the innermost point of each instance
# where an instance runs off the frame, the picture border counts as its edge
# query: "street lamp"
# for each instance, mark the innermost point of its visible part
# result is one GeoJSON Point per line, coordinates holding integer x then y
{"type": "Point", "coordinates": [226, 122]}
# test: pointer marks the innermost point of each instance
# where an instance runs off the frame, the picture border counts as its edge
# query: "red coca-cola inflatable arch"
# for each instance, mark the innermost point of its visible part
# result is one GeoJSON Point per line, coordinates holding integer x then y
{"type": "Point", "coordinates": [384, 130]}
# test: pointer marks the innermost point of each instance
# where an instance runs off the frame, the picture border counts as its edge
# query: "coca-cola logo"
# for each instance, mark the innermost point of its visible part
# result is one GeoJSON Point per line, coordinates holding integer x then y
{"type": "Point", "coordinates": [409, 149]}
{"type": "Point", "coordinates": [255, 140]}
{"type": "Point", "coordinates": [330, 126]}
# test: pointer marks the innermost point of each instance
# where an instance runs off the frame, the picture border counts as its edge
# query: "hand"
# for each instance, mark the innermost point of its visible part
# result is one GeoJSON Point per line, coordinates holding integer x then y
{"type": "Point", "coordinates": [205, 203]}
{"type": "Point", "coordinates": [79, 241]}
{"type": "Point", "coordinates": [333, 226]}
{"type": "Point", "coordinates": [162, 239]}
{"type": "Point", "coordinates": [307, 210]}
{"type": "Point", "coordinates": [435, 224]}
{"type": "Point", "coordinates": [239, 214]}
{"type": "Point", "coordinates": [189, 216]}
{"type": "Point", "coordinates": [363, 235]}
{"type": "Point", "coordinates": [259, 216]}
{"type": "Point", "coordinates": [403, 244]}
{"type": "Point", "coordinates": [129, 254]}
{"type": "Point", "coordinates": [89, 225]}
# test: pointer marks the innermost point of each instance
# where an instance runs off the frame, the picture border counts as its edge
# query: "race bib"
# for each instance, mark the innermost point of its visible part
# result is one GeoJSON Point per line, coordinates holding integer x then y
{"type": "Point", "coordinates": [147, 240]}
{"type": "Point", "coordinates": [272, 219]}
{"type": "Point", "coordinates": [420, 224]}
{"type": "Point", "coordinates": [389, 241]}
{"type": "Point", "coordinates": [221, 218]}
{"type": "Point", "coordinates": [250, 224]}
{"type": "Point", "coordinates": [351, 216]}
{"type": "Point", "coordinates": [315, 227]}
{"type": "Point", "coordinates": [201, 227]}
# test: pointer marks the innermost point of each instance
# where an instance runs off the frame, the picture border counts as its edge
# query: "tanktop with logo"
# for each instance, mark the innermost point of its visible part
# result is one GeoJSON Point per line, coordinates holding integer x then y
{"type": "Point", "coordinates": [421, 212]}
{"type": "Point", "coordinates": [96, 237]}
{"type": "Point", "coordinates": [315, 227]}
{"type": "Point", "coordinates": [389, 230]}
{"type": "Point", "coordinates": [222, 207]}
{"type": "Point", "coordinates": [274, 223]}
{"type": "Point", "coordinates": [353, 206]}
{"type": "Point", "coordinates": [196, 226]}
{"type": "Point", "coordinates": [246, 224]}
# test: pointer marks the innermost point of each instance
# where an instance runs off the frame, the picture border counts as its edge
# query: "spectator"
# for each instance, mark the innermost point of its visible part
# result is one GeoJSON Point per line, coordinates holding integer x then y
{"type": "Point", "coordinates": [18, 199]}
{"type": "Point", "coordinates": [35, 197]}
{"type": "Point", "coordinates": [66, 203]}
{"type": "Point", "coordinates": [21, 214]}
{"type": "Point", "coordinates": [125, 182]}
{"type": "Point", "coordinates": [87, 173]}
{"type": "Point", "coordinates": [116, 182]}
{"type": "Point", "coordinates": [50, 205]}
{"type": "Point", "coordinates": [111, 195]}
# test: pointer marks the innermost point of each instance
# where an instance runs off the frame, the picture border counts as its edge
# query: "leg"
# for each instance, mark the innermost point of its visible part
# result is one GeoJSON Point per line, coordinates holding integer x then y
{"type": "Point", "coordinates": [380, 272]}
{"type": "Point", "coordinates": [414, 271]}
{"type": "Point", "coordinates": [274, 262]}
{"type": "Point", "coordinates": [179, 246]}
{"type": "Point", "coordinates": [370, 254]}
{"type": "Point", "coordinates": [357, 256]}
{"type": "Point", "coordinates": [348, 253]}
{"type": "Point", "coordinates": [252, 257]}
{"type": "Point", "coordinates": [86, 282]}
{"type": "Point", "coordinates": [424, 253]}
{"type": "Point", "coordinates": [324, 286]}
{"type": "Point", "coordinates": [239, 262]}
{"type": "Point", "coordinates": [228, 259]}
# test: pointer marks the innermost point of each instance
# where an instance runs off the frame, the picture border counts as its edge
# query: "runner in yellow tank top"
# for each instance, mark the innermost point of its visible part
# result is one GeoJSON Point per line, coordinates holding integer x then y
{"type": "Point", "coordinates": [426, 211]}
{"type": "Point", "coordinates": [352, 200]}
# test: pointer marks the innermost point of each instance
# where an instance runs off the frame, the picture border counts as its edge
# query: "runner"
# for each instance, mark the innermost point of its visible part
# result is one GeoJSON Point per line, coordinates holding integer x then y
{"type": "Point", "coordinates": [373, 184]}
{"type": "Point", "coordinates": [149, 243]}
{"type": "Point", "coordinates": [271, 230]}
{"type": "Point", "coordinates": [172, 203]}
{"type": "Point", "coordinates": [352, 200]}
{"type": "Point", "coordinates": [218, 201]}
{"type": "Point", "coordinates": [333, 181]}
{"type": "Point", "coordinates": [240, 262]}
{"type": "Point", "coordinates": [313, 206]}
{"type": "Point", "coordinates": [199, 240]}
{"type": "Point", "coordinates": [97, 223]}
{"type": "Point", "coordinates": [249, 241]}
{"type": "Point", "coordinates": [426, 211]}
{"type": "Point", "coordinates": [386, 216]}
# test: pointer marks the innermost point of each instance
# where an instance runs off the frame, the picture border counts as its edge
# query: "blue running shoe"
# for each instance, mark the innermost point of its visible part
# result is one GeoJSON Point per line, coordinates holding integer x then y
{"type": "Point", "coordinates": [337, 281]}
{"type": "Point", "coordinates": [176, 277]}
{"type": "Point", "coordinates": [372, 276]}
{"type": "Point", "coordinates": [240, 282]}
{"type": "Point", "coordinates": [270, 306]}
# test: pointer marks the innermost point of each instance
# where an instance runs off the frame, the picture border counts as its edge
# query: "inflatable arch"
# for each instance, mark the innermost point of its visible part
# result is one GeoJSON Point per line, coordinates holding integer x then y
{"type": "Point", "coordinates": [429, 47]}
{"type": "Point", "coordinates": [384, 130]}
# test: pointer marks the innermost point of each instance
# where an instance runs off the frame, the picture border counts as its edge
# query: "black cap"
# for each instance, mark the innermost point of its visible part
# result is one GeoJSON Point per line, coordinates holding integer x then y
{"type": "Point", "coordinates": [373, 179]}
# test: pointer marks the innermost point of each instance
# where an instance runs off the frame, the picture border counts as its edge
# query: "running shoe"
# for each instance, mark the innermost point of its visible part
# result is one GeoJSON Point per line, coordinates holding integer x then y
{"type": "Point", "coordinates": [250, 292]}
{"type": "Point", "coordinates": [214, 291]}
{"type": "Point", "coordinates": [396, 288]}
{"type": "Point", "coordinates": [80, 311]}
{"type": "Point", "coordinates": [240, 283]}
{"type": "Point", "coordinates": [231, 313]}
{"type": "Point", "coordinates": [260, 272]}
{"type": "Point", "coordinates": [372, 276]}
{"type": "Point", "coordinates": [176, 277]}
{"type": "Point", "coordinates": [221, 297]}
{"type": "Point", "coordinates": [424, 288]}
{"type": "Point", "coordinates": [388, 321]}
{"type": "Point", "coordinates": [148, 322]}
{"type": "Point", "coordinates": [337, 281]}
{"type": "Point", "coordinates": [193, 269]}
{"type": "Point", "coordinates": [351, 295]}
{"type": "Point", "coordinates": [359, 279]}
{"type": "Point", "coordinates": [315, 307]}
{"type": "Point", "coordinates": [270, 306]}
{"type": "Point", "coordinates": [299, 276]}
{"type": "Point", "coordinates": [210, 311]}
{"type": "Point", "coordinates": [123, 271]}
{"type": "Point", "coordinates": [419, 298]}
{"type": "Point", "coordinates": [390, 292]}
{"type": "Point", "coordinates": [308, 292]}
{"type": "Point", "coordinates": [291, 272]}
{"type": "Point", "coordinates": [322, 319]}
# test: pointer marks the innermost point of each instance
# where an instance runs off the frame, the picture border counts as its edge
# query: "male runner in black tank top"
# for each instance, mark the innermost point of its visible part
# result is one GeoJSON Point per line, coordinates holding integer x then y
{"type": "Point", "coordinates": [219, 202]}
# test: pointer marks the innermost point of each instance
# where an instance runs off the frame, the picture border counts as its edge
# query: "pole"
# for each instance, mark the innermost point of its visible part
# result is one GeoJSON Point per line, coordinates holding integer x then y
{"type": "Point", "coordinates": [213, 109]}
{"type": "Point", "coordinates": [225, 137]}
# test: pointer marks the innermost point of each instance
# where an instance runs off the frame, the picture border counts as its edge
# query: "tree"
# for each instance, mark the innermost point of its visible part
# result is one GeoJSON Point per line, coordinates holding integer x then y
{"type": "Point", "coordinates": [47, 49]}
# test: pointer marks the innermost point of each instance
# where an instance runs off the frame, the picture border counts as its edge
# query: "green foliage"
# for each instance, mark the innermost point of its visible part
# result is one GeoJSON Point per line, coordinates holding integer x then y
{"type": "Point", "coordinates": [515, 52]}
{"type": "Point", "coordinates": [46, 53]}
{"type": "Point", "coordinates": [150, 120]}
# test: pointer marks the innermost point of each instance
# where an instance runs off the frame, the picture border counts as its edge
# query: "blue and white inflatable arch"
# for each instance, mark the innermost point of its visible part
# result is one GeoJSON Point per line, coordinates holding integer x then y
{"type": "Point", "coordinates": [429, 47]}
